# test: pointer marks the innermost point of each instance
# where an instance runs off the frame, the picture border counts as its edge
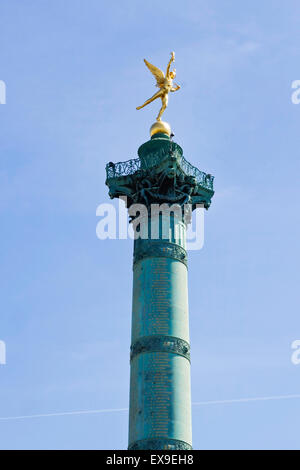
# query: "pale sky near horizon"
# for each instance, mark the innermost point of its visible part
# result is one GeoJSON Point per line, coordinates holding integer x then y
{"type": "Point", "coordinates": [74, 74]}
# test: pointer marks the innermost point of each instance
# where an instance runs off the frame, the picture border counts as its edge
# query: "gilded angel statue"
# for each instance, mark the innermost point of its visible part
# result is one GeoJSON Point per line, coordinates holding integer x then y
{"type": "Point", "coordinates": [164, 83]}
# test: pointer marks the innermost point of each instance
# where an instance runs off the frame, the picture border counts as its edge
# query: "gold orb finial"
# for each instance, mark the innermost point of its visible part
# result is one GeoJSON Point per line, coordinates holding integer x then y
{"type": "Point", "coordinates": [160, 127]}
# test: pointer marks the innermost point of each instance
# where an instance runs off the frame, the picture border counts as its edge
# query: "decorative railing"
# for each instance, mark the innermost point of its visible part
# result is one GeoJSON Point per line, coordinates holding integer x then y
{"type": "Point", "coordinates": [116, 170]}
{"type": "Point", "coordinates": [204, 179]}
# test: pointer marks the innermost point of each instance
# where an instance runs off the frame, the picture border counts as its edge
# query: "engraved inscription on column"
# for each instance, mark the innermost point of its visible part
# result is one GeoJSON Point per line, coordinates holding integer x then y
{"type": "Point", "coordinates": [158, 393]}
{"type": "Point", "coordinates": [157, 312]}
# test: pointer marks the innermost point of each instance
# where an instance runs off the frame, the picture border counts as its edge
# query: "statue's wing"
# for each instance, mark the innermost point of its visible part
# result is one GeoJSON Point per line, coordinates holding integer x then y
{"type": "Point", "coordinates": [158, 74]}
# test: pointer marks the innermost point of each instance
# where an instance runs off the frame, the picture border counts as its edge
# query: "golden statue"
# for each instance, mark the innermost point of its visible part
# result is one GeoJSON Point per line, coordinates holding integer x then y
{"type": "Point", "coordinates": [165, 83]}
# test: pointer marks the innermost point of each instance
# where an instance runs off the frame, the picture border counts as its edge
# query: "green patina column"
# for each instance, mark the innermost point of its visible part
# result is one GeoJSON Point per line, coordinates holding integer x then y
{"type": "Point", "coordinates": [160, 393]}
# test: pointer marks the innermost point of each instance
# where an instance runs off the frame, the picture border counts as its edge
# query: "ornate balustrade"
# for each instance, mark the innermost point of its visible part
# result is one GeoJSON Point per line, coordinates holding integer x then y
{"type": "Point", "coordinates": [130, 167]}
{"type": "Point", "coordinates": [204, 179]}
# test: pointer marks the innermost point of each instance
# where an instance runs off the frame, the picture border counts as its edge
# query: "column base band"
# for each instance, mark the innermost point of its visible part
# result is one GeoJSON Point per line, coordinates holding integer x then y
{"type": "Point", "coordinates": [160, 343]}
{"type": "Point", "coordinates": [160, 444]}
{"type": "Point", "coordinates": [150, 248]}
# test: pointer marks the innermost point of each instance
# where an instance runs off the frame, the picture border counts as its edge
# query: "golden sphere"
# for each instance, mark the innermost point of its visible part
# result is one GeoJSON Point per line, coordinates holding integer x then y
{"type": "Point", "coordinates": [160, 126]}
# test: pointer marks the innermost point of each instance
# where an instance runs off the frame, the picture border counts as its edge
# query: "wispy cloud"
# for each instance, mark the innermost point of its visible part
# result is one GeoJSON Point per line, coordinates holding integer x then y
{"type": "Point", "coordinates": [116, 410]}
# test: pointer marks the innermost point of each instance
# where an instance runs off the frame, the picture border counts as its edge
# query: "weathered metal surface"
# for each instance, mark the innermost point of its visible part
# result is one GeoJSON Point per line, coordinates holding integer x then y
{"type": "Point", "coordinates": [158, 444]}
{"type": "Point", "coordinates": [160, 393]}
{"type": "Point", "coordinates": [160, 343]}
{"type": "Point", "coordinates": [154, 248]}
{"type": "Point", "coordinates": [160, 401]}
{"type": "Point", "coordinates": [160, 174]}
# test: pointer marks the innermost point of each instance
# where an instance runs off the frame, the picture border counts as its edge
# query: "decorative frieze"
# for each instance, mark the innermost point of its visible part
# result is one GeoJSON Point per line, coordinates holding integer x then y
{"type": "Point", "coordinates": [160, 343]}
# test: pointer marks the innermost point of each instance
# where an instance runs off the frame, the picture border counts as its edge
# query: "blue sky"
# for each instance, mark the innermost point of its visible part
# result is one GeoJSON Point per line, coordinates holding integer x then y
{"type": "Point", "coordinates": [74, 75]}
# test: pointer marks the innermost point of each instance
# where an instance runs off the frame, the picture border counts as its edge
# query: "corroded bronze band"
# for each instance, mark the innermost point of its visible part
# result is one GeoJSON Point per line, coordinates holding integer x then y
{"type": "Point", "coordinates": [159, 444]}
{"type": "Point", "coordinates": [151, 248]}
{"type": "Point", "coordinates": [160, 343]}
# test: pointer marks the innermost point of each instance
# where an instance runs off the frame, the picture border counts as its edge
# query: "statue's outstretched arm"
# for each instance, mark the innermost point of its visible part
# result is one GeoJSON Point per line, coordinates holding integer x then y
{"type": "Point", "coordinates": [175, 88]}
{"type": "Point", "coordinates": [169, 64]}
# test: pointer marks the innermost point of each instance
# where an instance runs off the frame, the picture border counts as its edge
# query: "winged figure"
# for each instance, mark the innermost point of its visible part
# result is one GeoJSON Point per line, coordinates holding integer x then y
{"type": "Point", "coordinates": [164, 83]}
